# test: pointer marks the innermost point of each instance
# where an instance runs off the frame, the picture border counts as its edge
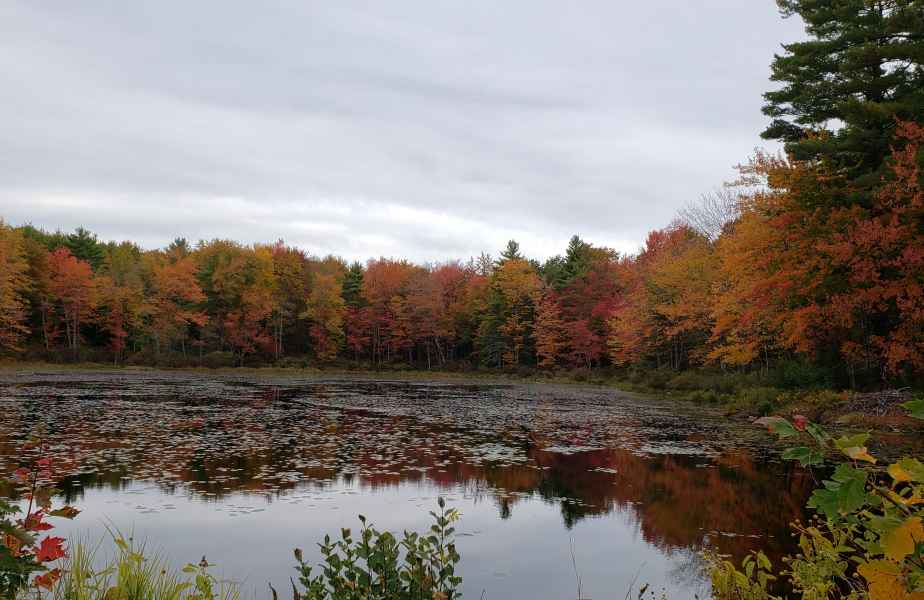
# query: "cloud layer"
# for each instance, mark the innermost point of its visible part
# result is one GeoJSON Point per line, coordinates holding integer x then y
{"type": "Point", "coordinates": [423, 129]}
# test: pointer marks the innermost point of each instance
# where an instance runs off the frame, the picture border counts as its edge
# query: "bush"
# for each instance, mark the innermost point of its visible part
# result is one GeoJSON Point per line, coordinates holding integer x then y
{"type": "Point", "coordinates": [867, 537]}
{"type": "Point", "coordinates": [799, 374]}
{"type": "Point", "coordinates": [657, 380]}
{"type": "Point", "coordinates": [524, 372]}
{"type": "Point", "coordinates": [705, 397]}
{"type": "Point", "coordinates": [814, 399]}
{"type": "Point", "coordinates": [580, 375]}
{"type": "Point", "coordinates": [377, 565]}
{"type": "Point", "coordinates": [765, 399]}
{"type": "Point", "coordinates": [291, 362]}
{"type": "Point", "coordinates": [218, 360]}
{"type": "Point", "coordinates": [687, 381]}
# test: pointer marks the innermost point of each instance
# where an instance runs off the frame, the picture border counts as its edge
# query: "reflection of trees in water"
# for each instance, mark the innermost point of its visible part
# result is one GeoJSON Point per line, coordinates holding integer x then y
{"type": "Point", "coordinates": [271, 442]}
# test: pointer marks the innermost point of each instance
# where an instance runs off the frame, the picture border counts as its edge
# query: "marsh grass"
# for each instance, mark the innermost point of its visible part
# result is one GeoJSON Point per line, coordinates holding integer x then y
{"type": "Point", "coordinates": [131, 573]}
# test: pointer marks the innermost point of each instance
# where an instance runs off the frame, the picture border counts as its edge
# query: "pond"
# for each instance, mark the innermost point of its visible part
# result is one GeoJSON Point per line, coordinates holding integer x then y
{"type": "Point", "coordinates": [244, 468]}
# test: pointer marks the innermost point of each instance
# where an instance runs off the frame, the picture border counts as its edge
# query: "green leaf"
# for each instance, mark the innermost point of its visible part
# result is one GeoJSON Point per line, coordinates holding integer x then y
{"type": "Point", "coordinates": [818, 434]}
{"type": "Point", "coordinates": [806, 456]}
{"type": "Point", "coordinates": [779, 426]}
{"type": "Point", "coordinates": [844, 494]}
{"type": "Point", "coordinates": [851, 441]}
{"type": "Point", "coordinates": [916, 408]}
{"type": "Point", "coordinates": [854, 447]}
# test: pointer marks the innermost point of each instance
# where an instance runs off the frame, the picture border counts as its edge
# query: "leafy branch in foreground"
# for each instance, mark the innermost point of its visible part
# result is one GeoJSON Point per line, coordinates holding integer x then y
{"type": "Point", "coordinates": [377, 565]}
{"type": "Point", "coordinates": [22, 553]}
{"type": "Point", "coordinates": [867, 538]}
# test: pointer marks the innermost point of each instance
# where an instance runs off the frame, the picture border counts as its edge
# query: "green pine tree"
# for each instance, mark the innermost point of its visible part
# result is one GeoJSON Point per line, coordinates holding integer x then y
{"type": "Point", "coordinates": [511, 252]}
{"type": "Point", "coordinates": [85, 246]}
{"type": "Point", "coordinates": [861, 69]}
{"type": "Point", "coordinates": [352, 291]}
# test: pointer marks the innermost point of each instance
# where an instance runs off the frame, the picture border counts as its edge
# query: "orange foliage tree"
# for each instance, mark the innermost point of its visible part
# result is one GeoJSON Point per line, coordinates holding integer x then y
{"type": "Point", "coordinates": [174, 302]}
{"type": "Point", "coordinates": [515, 285]}
{"type": "Point", "coordinates": [14, 287]}
{"type": "Point", "coordinates": [666, 315]}
{"type": "Point", "coordinates": [807, 270]}
{"type": "Point", "coordinates": [73, 291]}
{"type": "Point", "coordinates": [325, 310]}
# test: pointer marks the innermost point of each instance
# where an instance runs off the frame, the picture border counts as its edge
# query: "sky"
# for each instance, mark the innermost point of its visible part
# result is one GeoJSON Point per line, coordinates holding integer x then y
{"type": "Point", "coordinates": [427, 130]}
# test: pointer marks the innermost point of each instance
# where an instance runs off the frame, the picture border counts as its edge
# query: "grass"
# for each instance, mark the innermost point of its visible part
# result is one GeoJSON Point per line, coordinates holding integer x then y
{"type": "Point", "coordinates": [130, 574]}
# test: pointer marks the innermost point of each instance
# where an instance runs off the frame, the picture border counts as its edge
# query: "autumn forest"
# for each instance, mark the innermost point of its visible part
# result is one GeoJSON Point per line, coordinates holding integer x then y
{"type": "Point", "coordinates": [780, 266]}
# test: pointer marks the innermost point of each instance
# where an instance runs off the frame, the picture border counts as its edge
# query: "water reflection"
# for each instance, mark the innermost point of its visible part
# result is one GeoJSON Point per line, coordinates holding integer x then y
{"type": "Point", "coordinates": [645, 477]}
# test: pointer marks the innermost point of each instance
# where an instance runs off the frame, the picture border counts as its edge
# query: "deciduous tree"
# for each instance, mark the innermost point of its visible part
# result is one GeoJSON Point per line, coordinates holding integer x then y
{"type": "Point", "coordinates": [73, 291]}
{"type": "Point", "coordinates": [14, 288]}
{"type": "Point", "coordinates": [325, 310]}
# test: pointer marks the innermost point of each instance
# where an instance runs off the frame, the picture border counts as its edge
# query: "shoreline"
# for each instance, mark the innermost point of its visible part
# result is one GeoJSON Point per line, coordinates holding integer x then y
{"type": "Point", "coordinates": [824, 405]}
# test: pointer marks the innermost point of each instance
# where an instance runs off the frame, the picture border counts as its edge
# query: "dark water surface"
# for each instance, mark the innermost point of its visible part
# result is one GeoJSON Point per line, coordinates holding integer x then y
{"type": "Point", "coordinates": [244, 468]}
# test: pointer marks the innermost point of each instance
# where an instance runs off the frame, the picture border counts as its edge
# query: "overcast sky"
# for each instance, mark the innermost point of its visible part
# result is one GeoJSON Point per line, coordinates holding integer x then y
{"type": "Point", "coordinates": [425, 130]}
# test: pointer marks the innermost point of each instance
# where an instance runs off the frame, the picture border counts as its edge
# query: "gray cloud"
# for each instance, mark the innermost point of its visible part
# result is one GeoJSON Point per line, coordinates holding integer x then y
{"type": "Point", "coordinates": [423, 129]}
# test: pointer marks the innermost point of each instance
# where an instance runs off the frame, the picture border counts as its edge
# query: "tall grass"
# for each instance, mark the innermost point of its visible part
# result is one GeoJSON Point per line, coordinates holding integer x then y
{"type": "Point", "coordinates": [131, 574]}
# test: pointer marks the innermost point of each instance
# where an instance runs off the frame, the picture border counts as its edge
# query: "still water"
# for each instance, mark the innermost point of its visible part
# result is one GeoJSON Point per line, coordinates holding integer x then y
{"type": "Point", "coordinates": [242, 469]}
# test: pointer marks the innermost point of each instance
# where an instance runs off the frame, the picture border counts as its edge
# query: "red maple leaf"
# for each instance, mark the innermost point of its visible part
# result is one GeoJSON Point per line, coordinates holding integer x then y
{"type": "Point", "coordinates": [51, 548]}
{"type": "Point", "coordinates": [48, 579]}
{"type": "Point", "coordinates": [35, 522]}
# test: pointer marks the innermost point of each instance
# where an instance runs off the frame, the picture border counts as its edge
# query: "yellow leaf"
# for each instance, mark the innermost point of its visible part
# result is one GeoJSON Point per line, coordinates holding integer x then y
{"type": "Point", "coordinates": [899, 474]}
{"type": "Point", "coordinates": [859, 453]}
{"type": "Point", "coordinates": [900, 543]}
{"type": "Point", "coordinates": [912, 500]}
{"type": "Point", "coordinates": [884, 580]}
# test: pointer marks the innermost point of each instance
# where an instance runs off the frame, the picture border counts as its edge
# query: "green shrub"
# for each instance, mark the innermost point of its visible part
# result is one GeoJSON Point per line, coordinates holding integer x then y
{"type": "Point", "coordinates": [685, 381]}
{"type": "Point", "coordinates": [818, 399]}
{"type": "Point", "coordinates": [218, 360]}
{"type": "Point", "coordinates": [764, 399]}
{"type": "Point", "coordinates": [718, 382]}
{"type": "Point", "coordinates": [377, 565]}
{"type": "Point", "coordinates": [580, 375]}
{"type": "Point", "coordinates": [657, 380]}
{"type": "Point", "coordinates": [291, 362]}
{"type": "Point", "coordinates": [793, 374]}
{"type": "Point", "coordinates": [705, 397]}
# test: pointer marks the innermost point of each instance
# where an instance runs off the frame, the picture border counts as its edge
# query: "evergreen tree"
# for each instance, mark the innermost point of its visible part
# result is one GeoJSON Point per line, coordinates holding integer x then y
{"type": "Point", "coordinates": [554, 273]}
{"type": "Point", "coordinates": [862, 68]}
{"type": "Point", "coordinates": [51, 241]}
{"type": "Point", "coordinates": [511, 252]}
{"type": "Point", "coordinates": [578, 258]}
{"type": "Point", "coordinates": [85, 246]}
{"type": "Point", "coordinates": [353, 286]}
{"type": "Point", "coordinates": [178, 249]}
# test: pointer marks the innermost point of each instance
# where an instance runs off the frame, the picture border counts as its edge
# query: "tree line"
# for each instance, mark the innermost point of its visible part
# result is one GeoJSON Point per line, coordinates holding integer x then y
{"type": "Point", "coordinates": [814, 254]}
